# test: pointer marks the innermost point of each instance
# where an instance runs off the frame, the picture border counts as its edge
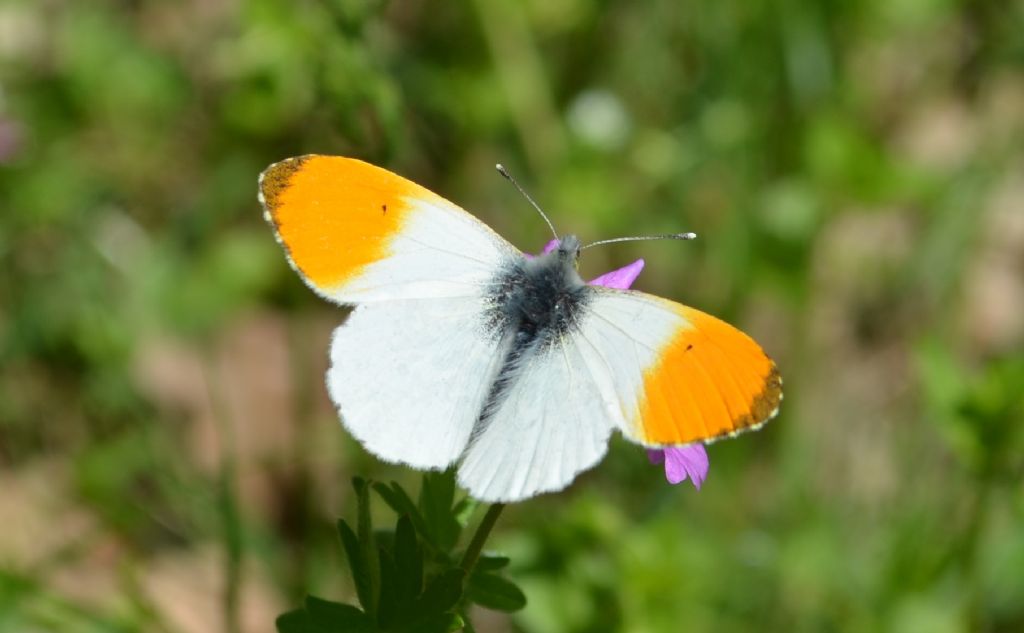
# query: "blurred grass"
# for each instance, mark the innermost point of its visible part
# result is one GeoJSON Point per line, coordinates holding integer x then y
{"type": "Point", "coordinates": [853, 170]}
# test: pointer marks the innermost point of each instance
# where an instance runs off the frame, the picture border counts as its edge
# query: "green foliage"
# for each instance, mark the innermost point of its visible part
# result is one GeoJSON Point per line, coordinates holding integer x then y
{"type": "Point", "coordinates": [410, 579]}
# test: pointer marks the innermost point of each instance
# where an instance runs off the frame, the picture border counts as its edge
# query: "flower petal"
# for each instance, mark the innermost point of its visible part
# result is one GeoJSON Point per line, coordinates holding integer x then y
{"type": "Point", "coordinates": [656, 456]}
{"type": "Point", "coordinates": [550, 246]}
{"type": "Point", "coordinates": [686, 461]}
{"type": "Point", "coordinates": [621, 278]}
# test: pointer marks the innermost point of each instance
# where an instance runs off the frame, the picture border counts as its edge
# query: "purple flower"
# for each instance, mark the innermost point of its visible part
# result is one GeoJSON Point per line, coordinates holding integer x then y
{"type": "Point", "coordinates": [690, 460]}
{"type": "Point", "coordinates": [681, 462]}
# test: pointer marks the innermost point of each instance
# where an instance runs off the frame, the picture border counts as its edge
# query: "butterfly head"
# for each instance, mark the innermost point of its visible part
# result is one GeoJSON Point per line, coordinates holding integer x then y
{"type": "Point", "coordinates": [568, 249]}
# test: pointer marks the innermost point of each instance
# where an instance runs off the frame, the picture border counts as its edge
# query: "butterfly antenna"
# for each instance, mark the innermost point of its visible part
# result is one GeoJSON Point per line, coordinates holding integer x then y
{"type": "Point", "coordinates": [501, 170]}
{"type": "Point", "coordinates": [668, 236]}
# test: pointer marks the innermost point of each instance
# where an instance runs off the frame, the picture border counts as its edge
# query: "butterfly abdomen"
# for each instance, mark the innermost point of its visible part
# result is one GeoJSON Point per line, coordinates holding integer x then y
{"type": "Point", "coordinates": [532, 305]}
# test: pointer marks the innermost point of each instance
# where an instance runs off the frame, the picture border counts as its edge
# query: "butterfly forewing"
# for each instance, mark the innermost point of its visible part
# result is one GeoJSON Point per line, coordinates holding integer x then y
{"type": "Point", "coordinates": [410, 377]}
{"type": "Point", "coordinates": [357, 233]}
{"type": "Point", "coordinates": [679, 375]}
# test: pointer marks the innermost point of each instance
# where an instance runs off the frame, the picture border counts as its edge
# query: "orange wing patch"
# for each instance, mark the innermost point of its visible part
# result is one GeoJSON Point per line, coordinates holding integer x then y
{"type": "Point", "coordinates": [710, 381]}
{"type": "Point", "coordinates": [336, 215]}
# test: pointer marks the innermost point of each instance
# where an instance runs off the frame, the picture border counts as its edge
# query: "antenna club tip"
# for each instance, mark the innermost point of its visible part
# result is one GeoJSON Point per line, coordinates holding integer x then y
{"type": "Point", "coordinates": [688, 236]}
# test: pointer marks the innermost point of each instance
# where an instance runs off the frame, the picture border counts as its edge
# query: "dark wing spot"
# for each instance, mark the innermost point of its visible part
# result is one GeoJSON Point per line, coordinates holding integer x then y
{"type": "Point", "coordinates": [275, 180]}
{"type": "Point", "coordinates": [383, 209]}
{"type": "Point", "coordinates": [764, 405]}
{"type": "Point", "coordinates": [767, 402]}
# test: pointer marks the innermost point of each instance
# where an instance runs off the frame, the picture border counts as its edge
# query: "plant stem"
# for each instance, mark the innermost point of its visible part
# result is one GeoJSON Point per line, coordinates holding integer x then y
{"type": "Point", "coordinates": [480, 537]}
{"type": "Point", "coordinates": [227, 499]}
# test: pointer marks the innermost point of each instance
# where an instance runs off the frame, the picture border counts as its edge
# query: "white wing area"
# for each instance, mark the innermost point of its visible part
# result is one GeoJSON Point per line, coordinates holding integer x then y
{"type": "Point", "coordinates": [551, 425]}
{"type": "Point", "coordinates": [410, 377]}
{"type": "Point", "coordinates": [560, 411]}
{"type": "Point", "coordinates": [440, 251]}
{"type": "Point", "coordinates": [620, 337]}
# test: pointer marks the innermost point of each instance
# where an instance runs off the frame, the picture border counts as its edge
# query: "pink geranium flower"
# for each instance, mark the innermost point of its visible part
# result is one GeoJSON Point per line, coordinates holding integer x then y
{"type": "Point", "coordinates": [689, 460]}
{"type": "Point", "coordinates": [681, 462]}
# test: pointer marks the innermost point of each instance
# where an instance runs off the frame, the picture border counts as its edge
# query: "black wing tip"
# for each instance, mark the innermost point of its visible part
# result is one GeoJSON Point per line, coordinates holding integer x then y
{"type": "Point", "coordinates": [275, 179]}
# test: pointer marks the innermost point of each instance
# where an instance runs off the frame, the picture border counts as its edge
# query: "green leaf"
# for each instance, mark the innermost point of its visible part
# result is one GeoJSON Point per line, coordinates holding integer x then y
{"type": "Point", "coordinates": [408, 561]}
{"type": "Point", "coordinates": [397, 499]}
{"type": "Point", "coordinates": [437, 495]}
{"type": "Point", "coordinates": [387, 606]}
{"type": "Point", "coordinates": [360, 573]}
{"type": "Point", "coordinates": [297, 621]}
{"type": "Point", "coordinates": [463, 510]}
{"type": "Point", "coordinates": [487, 562]}
{"type": "Point", "coordinates": [435, 623]}
{"type": "Point", "coordinates": [442, 593]}
{"type": "Point", "coordinates": [334, 616]}
{"type": "Point", "coordinates": [366, 542]}
{"type": "Point", "coordinates": [495, 592]}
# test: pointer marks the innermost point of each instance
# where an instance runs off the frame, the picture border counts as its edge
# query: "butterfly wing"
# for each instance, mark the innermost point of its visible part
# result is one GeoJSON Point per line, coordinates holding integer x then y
{"type": "Point", "coordinates": [549, 424]}
{"type": "Point", "coordinates": [411, 366]}
{"type": "Point", "coordinates": [676, 374]}
{"type": "Point", "coordinates": [357, 233]}
{"type": "Point", "coordinates": [660, 372]}
{"type": "Point", "coordinates": [411, 376]}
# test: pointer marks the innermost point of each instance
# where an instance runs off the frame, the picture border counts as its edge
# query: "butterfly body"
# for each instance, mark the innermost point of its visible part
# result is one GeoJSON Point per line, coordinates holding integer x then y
{"type": "Point", "coordinates": [534, 304]}
{"type": "Point", "coordinates": [461, 349]}
{"type": "Point", "coordinates": [537, 299]}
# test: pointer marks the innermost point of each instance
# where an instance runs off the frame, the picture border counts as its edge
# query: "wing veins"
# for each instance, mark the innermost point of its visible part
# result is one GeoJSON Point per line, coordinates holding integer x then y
{"type": "Point", "coordinates": [611, 372]}
{"type": "Point", "coordinates": [624, 332]}
{"type": "Point", "coordinates": [428, 246]}
{"type": "Point", "coordinates": [712, 382]}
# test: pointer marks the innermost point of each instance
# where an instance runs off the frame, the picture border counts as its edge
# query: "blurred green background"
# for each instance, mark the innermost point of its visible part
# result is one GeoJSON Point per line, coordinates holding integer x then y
{"type": "Point", "coordinates": [169, 460]}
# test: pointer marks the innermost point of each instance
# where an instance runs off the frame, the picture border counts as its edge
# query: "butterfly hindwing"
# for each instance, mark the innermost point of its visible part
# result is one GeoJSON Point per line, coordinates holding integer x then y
{"type": "Point", "coordinates": [549, 425]}
{"type": "Point", "coordinates": [410, 377]}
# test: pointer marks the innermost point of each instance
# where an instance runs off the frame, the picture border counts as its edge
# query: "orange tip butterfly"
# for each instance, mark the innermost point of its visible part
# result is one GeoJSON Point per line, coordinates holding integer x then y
{"type": "Point", "coordinates": [462, 349]}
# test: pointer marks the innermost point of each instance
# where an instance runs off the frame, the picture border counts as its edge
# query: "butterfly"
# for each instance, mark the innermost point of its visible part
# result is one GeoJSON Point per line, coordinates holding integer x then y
{"type": "Point", "coordinates": [461, 349]}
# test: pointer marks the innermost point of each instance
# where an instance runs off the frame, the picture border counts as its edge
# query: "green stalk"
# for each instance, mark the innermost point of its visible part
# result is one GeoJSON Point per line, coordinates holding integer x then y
{"type": "Point", "coordinates": [480, 537]}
